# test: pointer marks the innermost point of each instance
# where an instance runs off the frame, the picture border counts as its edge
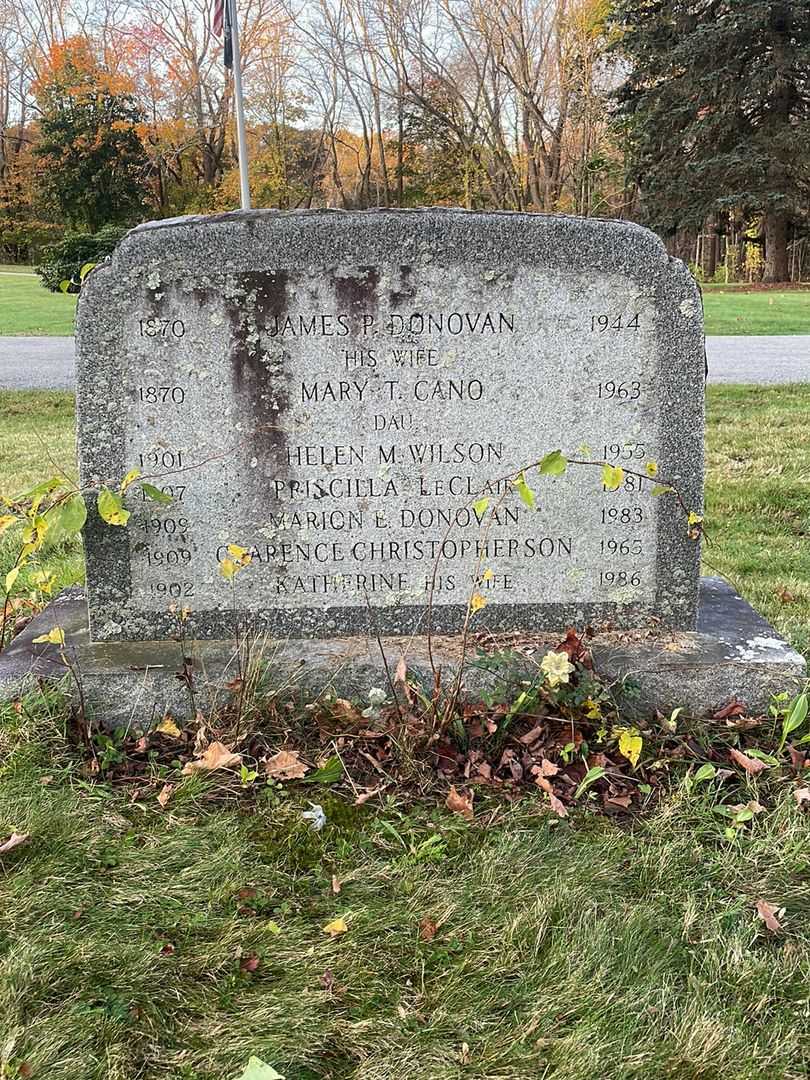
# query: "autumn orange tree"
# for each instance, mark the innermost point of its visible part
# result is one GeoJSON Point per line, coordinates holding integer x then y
{"type": "Point", "coordinates": [91, 164]}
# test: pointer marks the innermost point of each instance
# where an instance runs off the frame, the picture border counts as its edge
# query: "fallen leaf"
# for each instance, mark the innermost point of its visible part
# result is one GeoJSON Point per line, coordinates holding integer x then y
{"type": "Point", "coordinates": [533, 735]}
{"type": "Point", "coordinates": [557, 806]}
{"type": "Point", "coordinates": [14, 841]}
{"type": "Point", "coordinates": [286, 765]}
{"type": "Point", "coordinates": [167, 726]}
{"type": "Point", "coordinates": [619, 800]}
{"type": "Point", "coordinates": [216, 756]}
{"type": "Point", "coordinates": [364, 796]}
{"type": "Point", "coordinates": [548, 768]}
{"type": "Point", "coordinates": [751, 765]}
{"type": "Point", "coordinates": [401, 674]}
{"type": "Point", "coordinates": [249, 963]}
{"type": "Point", "coordinates": [259, 1070]}
{"type": "Point", "coordinates": [427, 928]}
{"type": "Point", "coordinates": [165, 794]}
{"type": "Point", "coordinates": [767, 912]}
{"type": "Point", "coordinates": [802, 796]}
{"type": "Point", "coordinates": [44, 780]}
{"type": "Point", "coordinates": [786, 597]}
{"type": "Point", "coordinates": [336, 927]}
{"type": "Point", "coordinates": [336, 885]}
{"type": "Point", "coordinates": [733, 708]}
{"type": "Point", "coordinates": [460, 803]}
{"type": "Point", "coordinates": [797, 758]}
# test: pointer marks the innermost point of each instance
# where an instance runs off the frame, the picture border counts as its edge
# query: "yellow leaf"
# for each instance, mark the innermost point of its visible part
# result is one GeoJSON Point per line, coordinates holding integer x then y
{"type": "Point", "coordinates": [11, 577]}
{"type": "Point", "coordinates": [6, 521]}
{"type": "Point", "coordinates": [167, 726]}
{"type": "Point", "coordinates": [477, 601]}
{"type": "Point", "coordinates": [630, 744]}
{"type": "Point", "coordinates": [694, 519]}
{"type": "Point", "coordinates": [612, 477]}
{"type": "Point", "coordinates": [487, 575]}
{"type": "Point", "coordinates": [228, 568]}
{"type": "Point", "coordinates": [651, 469]}
{"type": "Point", "coordinates": [237, 553]}
{"type": "Point", "coordinates": [56, 636]}
{"type": "Point", "coordinates": [111, 508]}
{"type": "Point", "coordinates": [336, 927]}
{"type": "Point", "coordinates": [130, 478]}
{"type": "Point", "coordinates": [592, 709]}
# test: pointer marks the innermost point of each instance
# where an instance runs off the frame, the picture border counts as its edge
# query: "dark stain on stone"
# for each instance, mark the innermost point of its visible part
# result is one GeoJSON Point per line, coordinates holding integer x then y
{"type": "Point", "coordinates": [260, 384]}
{"type": "Point", "coordinates": [406, 291]}
{"type": "Point", "coordinates": [357, 295]}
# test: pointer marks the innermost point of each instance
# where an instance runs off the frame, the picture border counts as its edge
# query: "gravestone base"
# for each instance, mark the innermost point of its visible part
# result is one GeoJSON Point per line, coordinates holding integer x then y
{"type": "Point", "coordinates": [733, 653]}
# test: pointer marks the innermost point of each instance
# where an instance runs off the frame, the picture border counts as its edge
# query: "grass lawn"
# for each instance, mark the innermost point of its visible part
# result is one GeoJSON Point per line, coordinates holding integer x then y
{"type": "Point", "coordinates": [737, 310]}
{"type": "Point", "coordinates": [27, 308]}
{"type": "Point", "coordinates": [139, 943]}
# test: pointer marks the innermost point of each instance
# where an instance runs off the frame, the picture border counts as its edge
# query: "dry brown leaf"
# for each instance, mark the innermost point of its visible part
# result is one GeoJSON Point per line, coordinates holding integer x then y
{"type": "Point", "coordinates": [768, 912]}
{"type": "Point", "coordinates": [249, 963]}
{"type": "Point", "coordinates": [733, 708]}
{"type": "Point", "coordinates": [14, 841]}
{"type": "Point", "coordinates": [216, 756]}
{"type": "Point", "coordinates": [548, 768]}
{"type": "Point", "coordinates": [460, 803]}
{"type": "Point", "coordinates": [336, 885]}
{"type": "Point", "coordinates": [557, 806]}
{"type": "Point", "coordinates": [751, 765]}
{"type": "Point", "coordinates": [364, 796]}
{"type": "Point", "coordinates": [802, 796]}
{"type": "Point", "coordinates": [544, 783]}
{"type": "Point", "coordinates": [165, 794]}
{"type": "Point", "coordinates": [286, 765]}
{"type": "Point", "coordinates": [401, 674]}
{"type": "Point", "coordinates": [619, 800]}
{"type": "Point", "coordinates": [427, 928]}
{"type": "Point", "coordinates": [533, 735]}
{"type": "Point", "coordinates": [798, 759]}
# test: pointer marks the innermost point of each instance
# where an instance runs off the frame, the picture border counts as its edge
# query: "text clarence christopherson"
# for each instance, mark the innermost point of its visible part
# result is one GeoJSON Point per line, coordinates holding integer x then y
{"type": "Point", "coordinates": [335, 324]}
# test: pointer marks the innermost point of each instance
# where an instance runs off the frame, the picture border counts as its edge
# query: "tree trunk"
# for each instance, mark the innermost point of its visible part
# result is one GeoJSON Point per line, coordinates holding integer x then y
{"type": "Point", "coordinates": [776, 260]}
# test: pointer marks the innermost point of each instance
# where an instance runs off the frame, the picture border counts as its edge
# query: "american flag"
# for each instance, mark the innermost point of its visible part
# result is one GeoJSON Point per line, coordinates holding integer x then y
{"type": "Point", "coordinates": [222, 21]}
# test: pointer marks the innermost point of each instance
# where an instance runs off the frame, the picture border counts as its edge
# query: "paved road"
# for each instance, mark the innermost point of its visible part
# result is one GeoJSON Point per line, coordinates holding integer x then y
{"type": "Point", "coordinates": [754, 359]}
{"type": "Point", "coordinates": [47, 362]}
{"type": "Point", "coordinates": [36, 363]}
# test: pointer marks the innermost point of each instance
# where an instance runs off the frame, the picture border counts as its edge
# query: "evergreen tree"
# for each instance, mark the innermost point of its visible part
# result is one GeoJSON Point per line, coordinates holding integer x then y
{"type": "Point", "coordinates": [91, 161]}
{"type": "Point", "coordinates": [718, 103]}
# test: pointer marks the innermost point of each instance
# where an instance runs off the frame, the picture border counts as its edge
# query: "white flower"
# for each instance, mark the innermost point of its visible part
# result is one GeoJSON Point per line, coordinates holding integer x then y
{"type": "Point", "coordinates": [376, 698]}
{"type": "Point", "coordinates": [557, 668]}
{"type": "Point", "coordinates": [315, 816]}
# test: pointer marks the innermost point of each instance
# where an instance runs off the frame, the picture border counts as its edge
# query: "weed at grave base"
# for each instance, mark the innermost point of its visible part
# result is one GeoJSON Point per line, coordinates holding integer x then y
{"type": "Point", "coordinates": [559, 736]}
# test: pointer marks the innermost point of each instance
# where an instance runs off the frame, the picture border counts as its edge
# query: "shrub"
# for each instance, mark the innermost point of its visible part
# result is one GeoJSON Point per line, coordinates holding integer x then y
{"type": "Point", "coordinates": [63, 261]}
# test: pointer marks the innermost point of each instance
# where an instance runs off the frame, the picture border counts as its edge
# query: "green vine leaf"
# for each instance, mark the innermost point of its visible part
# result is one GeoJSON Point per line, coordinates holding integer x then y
{"type": "Point", "coordinates": [111, 507]}
{"type": "Point", "coordinates": [66, 519]}
{"type": "Point", "coordinates": [553, 464]}
{"type": "Point", "coordinates": [480, 506]}
{"type": "Point", "coordinates": [156, 495]}
{"type": "Point", "coordinates": [661, 489]}
{"type": "Point", "coordinates": [525, 492]}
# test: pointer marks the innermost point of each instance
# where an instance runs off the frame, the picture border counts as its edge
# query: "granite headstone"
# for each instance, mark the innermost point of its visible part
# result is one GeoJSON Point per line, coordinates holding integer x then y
{"type": "Point", "coordinates": [337, 392]}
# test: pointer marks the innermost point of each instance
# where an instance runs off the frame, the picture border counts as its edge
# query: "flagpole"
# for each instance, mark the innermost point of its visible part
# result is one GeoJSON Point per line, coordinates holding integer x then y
{"type": "Point", "coordinates": [244, 185]}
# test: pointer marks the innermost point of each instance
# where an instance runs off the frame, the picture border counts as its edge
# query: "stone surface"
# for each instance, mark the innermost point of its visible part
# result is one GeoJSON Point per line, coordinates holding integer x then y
{"type": "Point", "coordinates": [734, 653]}
{"type": "Point", "coordinates": [335, 390]}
